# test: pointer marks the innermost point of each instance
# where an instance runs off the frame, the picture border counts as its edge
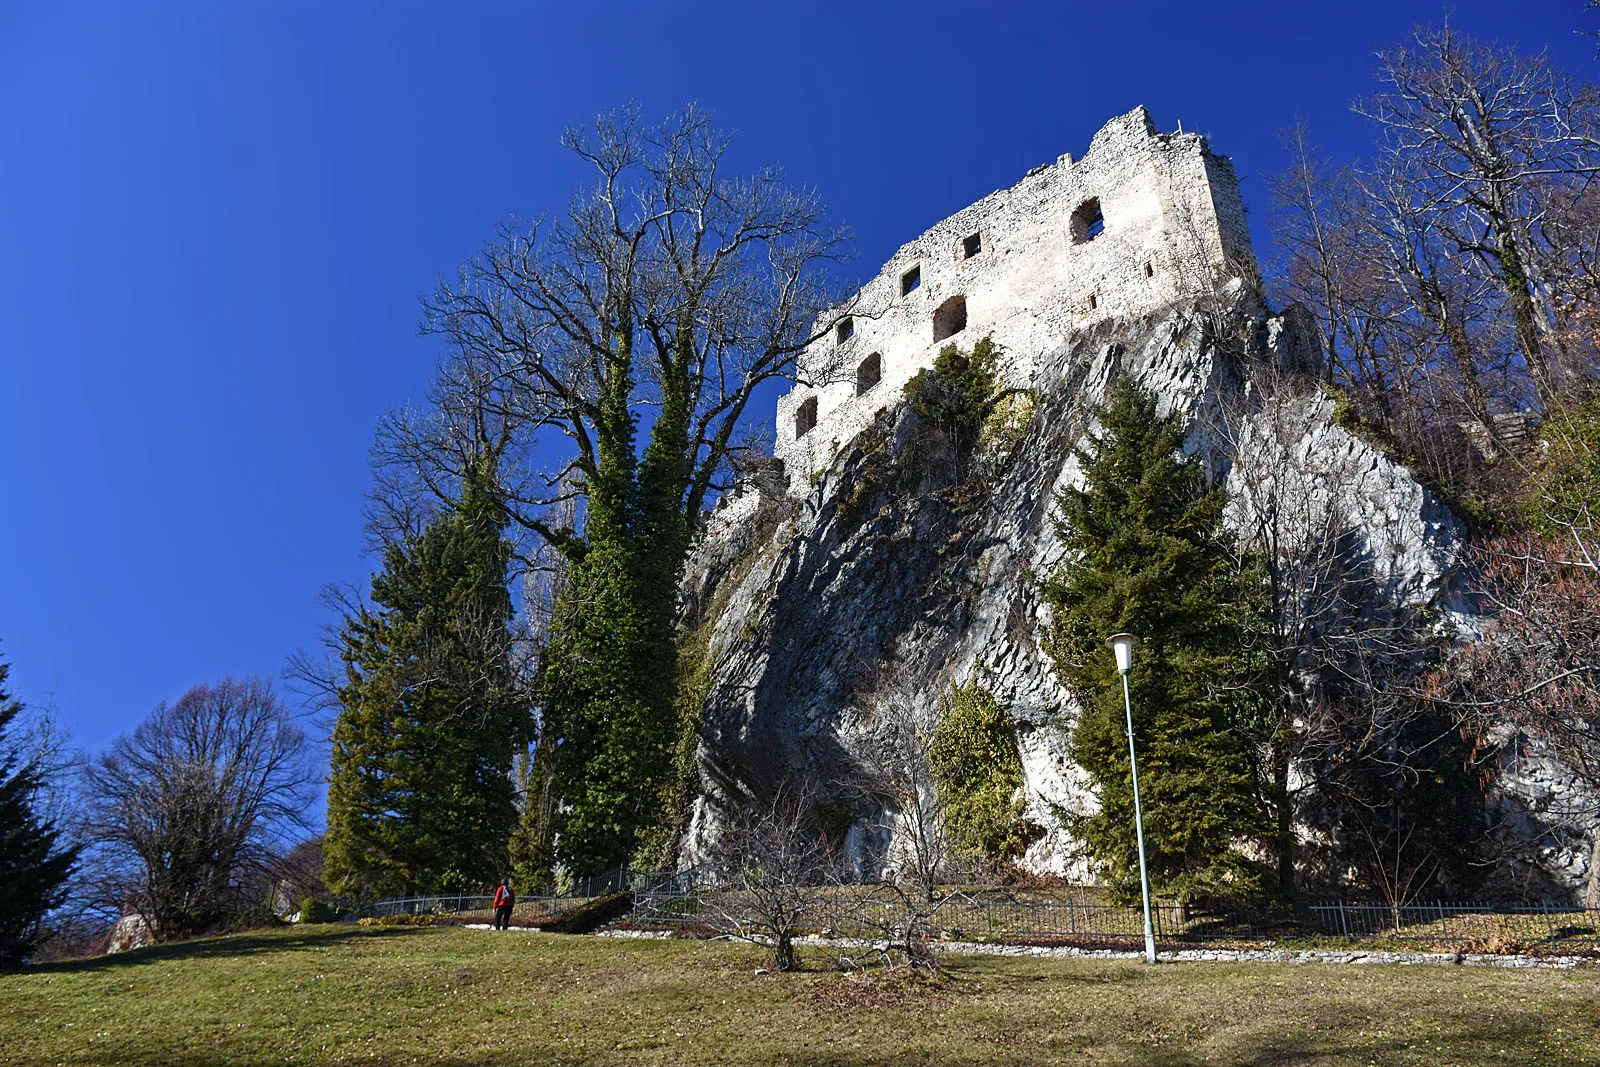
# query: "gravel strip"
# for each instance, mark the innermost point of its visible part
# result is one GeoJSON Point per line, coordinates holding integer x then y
{"type": "Point", "coordinates": [1248, 955]}
{"type": "Point", "coordinates": [1187, 955]}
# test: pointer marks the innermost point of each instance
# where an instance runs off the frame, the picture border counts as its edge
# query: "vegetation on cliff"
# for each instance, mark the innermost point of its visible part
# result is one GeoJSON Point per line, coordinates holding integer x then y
{"type": "Point", "coordinates": [974, 759]}
{"type": "Point", "coordinates": [1147, 553]}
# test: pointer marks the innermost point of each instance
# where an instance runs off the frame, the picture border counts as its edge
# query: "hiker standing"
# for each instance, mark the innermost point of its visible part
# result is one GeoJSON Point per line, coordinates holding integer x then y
{"type": "Point", "coordinates": [504, 901]}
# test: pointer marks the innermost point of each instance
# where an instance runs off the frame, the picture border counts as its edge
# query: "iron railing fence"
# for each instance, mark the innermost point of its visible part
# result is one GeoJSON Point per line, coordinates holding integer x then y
{"type": "Point", "coordinates": [479, 907]}
{"type": "Point", "coordinates": [473, 908]}
{"type": "Point", "coordinates": [987, 914]}
{"type": "Point", "coordinates": [683, 898]}
{"type": "Point", "coordinates": [1446, 921]}
{"type": "Point", "coordinates": [866, 911]}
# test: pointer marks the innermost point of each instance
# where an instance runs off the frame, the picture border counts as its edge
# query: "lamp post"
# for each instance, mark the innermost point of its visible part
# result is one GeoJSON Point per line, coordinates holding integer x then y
{"type": "Point", "coordinates": [1122, 646]}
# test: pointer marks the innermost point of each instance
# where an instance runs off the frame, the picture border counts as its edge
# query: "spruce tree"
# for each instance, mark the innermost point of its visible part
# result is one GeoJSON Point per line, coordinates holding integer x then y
{"type": "Point", "coordinates": [33, 869]}
{"type": "Point", "coordinates": [1146, 553]}
{"type": "Point", "coordinates": [420, 797]}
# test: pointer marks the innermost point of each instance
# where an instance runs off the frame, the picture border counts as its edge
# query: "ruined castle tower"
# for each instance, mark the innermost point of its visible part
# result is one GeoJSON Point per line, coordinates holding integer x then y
{"type": "Point", "coordinates": [1142, 220]}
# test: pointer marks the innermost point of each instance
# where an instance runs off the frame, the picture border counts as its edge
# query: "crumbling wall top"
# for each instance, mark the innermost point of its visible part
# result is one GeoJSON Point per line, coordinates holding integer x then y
{"type": "Point", "coordinates": [1140, 220]}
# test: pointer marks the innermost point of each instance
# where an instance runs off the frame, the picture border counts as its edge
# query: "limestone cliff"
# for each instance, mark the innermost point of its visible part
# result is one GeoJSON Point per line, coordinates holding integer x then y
{"type": "Point", "coordinates": [900, 558]}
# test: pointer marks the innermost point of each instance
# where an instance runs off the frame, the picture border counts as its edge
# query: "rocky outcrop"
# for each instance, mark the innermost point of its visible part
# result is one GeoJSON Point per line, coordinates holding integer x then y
{"type": "Point", "coordinates": [903, 566]}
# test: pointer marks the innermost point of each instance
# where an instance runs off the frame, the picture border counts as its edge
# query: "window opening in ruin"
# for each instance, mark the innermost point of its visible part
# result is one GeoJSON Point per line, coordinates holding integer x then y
{"type": "Point", "coordinates": [950, 318]}
{"type": "Point", "coordinates": [870, 373]}
{"type": "Point", "coordinates": [971, 246]}
{"type": "Point", "coordinates": [1094, 301]}
{"type": "Point", "coordinates": [845, 330]}
{"type": "Point", "coordinates": [805, 419]}
{"type": "Point", "coordinates": [910, 280]}
{"type": "Point", "coordinates": [1087, 221]}
{"type": "Point", "coordinates": [1149, 270]}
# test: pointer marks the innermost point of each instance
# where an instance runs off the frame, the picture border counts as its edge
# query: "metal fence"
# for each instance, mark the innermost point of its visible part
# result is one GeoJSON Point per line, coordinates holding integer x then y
{"type": "Point", "coordinates": [989, 914]}
{"type": "Point", "coordinates": [680, 899]}
{"type": "Point", "coordinates": [531, 908]}
{"type": "Point", "coordinates": [982, 915]}
{"type": "Point", "coordinates": [1457, 922]}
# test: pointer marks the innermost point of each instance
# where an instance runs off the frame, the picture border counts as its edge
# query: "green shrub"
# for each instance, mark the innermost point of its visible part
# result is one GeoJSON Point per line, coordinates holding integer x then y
{"type": "Point", "coordinates": [1565, 491]}
{"type": "Point", "coordinates": [317, 910]}
{"type": "Point", "coordinates": [974, 758]}
{"type": "Point", "coordinates": [409, 920]}
{"type": "Point", "coordinates": [957, 393]}
{"type": "Point", "coordinates": [1009, 420]}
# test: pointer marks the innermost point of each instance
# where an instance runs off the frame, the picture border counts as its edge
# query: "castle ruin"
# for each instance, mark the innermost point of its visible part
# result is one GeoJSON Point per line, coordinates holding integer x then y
{"type": "Point", "coordinates": [1142, 220]}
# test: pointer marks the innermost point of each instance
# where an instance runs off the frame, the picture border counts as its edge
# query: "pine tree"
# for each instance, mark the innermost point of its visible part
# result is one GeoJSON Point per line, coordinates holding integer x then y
{"type": "Point", "coordinates": [1146, 554]}
{"type": "Point", "coordinates": [33, 870]}
{"type": "Point", "coordinates": [420, 797]}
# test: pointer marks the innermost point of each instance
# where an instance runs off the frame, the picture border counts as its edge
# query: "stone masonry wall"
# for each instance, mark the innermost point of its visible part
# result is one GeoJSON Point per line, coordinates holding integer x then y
{"type": "Point", "coordinates": [1173, 224]}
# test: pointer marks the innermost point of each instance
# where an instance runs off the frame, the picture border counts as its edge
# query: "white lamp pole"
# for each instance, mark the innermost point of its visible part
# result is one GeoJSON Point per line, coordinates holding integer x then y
{"type": "Point", "coordinates": [1122, 645]}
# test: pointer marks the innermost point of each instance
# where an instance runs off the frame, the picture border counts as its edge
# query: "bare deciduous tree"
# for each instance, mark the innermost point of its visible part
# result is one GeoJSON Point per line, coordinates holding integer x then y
{"type": "Point", "coordinates": [1536, 668]}
{"type": "Point", "coordinates": [671, 285]}
{"type": "Point", "coordinates": [1479, 143]}
{"type": "Point", "coordinates": [924, 867]}
{"type": "Point", "coordinates": [780, 874]}
{"type": "Point", "coordinates": [1332, 640]}
{"type": "Point", "coordinates": [188, 813]}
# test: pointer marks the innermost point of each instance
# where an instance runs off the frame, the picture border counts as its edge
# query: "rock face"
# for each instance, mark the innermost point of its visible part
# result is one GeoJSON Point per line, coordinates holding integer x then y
{"type": "Point", "coordinates": [897, 567]}
{"type": "Point", "coordinates": [870, 561]}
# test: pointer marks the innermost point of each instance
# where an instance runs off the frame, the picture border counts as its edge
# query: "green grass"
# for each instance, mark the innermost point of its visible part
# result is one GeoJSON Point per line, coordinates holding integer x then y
{"type": "Point", "coordinates": [450, 996]}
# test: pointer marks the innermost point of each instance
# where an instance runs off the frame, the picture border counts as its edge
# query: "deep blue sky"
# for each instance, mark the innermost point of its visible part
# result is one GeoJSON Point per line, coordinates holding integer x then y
{"type": "Point", "coordinates": [217, 220]}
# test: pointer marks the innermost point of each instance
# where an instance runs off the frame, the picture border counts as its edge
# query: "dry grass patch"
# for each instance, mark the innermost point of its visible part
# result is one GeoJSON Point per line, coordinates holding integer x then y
{"type": "Point", "coordinates": [339, 994]}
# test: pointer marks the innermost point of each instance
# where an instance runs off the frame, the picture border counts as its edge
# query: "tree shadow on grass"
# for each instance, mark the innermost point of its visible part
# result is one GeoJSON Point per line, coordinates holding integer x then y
{"type": "Point", "coordinates": [1511, 1042]}
{"type": "Point", "coordinates": [1523, 1042]}
{"type": "Point", "coordinates": [222, 945]}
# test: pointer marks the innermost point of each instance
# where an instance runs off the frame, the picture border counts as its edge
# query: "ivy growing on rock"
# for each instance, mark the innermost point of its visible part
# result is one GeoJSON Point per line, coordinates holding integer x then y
{"type": "Point", "coordinates": [975, 763]}
{"type": "Point", "coordinates": [958, 393]}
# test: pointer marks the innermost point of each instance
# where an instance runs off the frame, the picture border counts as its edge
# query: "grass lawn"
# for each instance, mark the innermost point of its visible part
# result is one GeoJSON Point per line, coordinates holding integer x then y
{"type": "Point", "coordinates": [339, 994]}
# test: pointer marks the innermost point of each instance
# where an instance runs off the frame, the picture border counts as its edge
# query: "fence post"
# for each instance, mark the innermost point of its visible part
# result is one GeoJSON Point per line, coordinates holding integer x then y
{"type": "Point", "coordinates": [988, 915]}
{"type": "Point", "coordinates": [1549, 927]}
{"type": "Point", "coordinates": [1344, 924]}
{"type": "Point", "coordinates": [1444, 927]}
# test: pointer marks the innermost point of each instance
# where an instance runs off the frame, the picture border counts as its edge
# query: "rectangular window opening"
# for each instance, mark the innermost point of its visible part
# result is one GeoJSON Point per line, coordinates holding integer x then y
{"type": "Point", "coordinates": [1094, 301]}
{"type": "Point", "coordinates": [971, 246]}
{"type": "Point", "coordinates": [911, 280]}
{"type": "Point", "coordinates": [805, 419]}
{"type": "Point", "coordinates": [1149, 270]}
{"type": "Point", "coordinates": [845, 330]}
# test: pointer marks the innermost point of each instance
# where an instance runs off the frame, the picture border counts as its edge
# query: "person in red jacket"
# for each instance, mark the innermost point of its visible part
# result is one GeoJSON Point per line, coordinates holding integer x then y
{"type": "Point", "coordinates": [504, 901]}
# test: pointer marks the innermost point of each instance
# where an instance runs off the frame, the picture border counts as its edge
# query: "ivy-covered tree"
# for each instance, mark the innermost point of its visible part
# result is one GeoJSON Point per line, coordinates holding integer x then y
{"type": "Point", "coordinates": [655, 308]}
{"type": "Point", "coordinates": [33, 864]}
{"type": "Point", "coordinates": [1146, 553]}
{"type": "Point", "coordinates": [420, 798]}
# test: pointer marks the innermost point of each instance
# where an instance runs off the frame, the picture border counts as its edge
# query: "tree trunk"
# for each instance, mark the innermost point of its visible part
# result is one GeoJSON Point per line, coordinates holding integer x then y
{"type": "Point", "coordinates": [783, 953]}
{"type": "Point", "coordinates": [1591, 897]}
{"type": "Point", "coordinates": [1284, 817]}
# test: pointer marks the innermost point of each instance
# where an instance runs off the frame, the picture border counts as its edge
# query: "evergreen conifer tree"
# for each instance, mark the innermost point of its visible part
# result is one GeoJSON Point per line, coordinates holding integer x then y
{"type": "Point", "coordinates": [420, 797]}
{"type": "Point", "coordinates": [33, 869]}
{"type": "Point", "coordinates": [1146, 554]}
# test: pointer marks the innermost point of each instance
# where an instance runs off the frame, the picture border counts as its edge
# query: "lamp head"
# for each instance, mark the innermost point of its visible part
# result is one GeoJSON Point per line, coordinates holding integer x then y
{"type": "Point", "coordinates": [1122, 645]}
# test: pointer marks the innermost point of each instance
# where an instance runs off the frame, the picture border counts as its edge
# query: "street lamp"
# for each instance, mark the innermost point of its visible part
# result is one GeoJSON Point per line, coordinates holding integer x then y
{"type": "Point", "coordinates": [1122, 645]}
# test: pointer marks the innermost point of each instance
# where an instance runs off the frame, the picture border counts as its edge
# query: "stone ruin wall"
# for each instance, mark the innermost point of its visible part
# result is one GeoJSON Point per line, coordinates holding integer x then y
{"type": "Point", "coordinates": [1173, 225]}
